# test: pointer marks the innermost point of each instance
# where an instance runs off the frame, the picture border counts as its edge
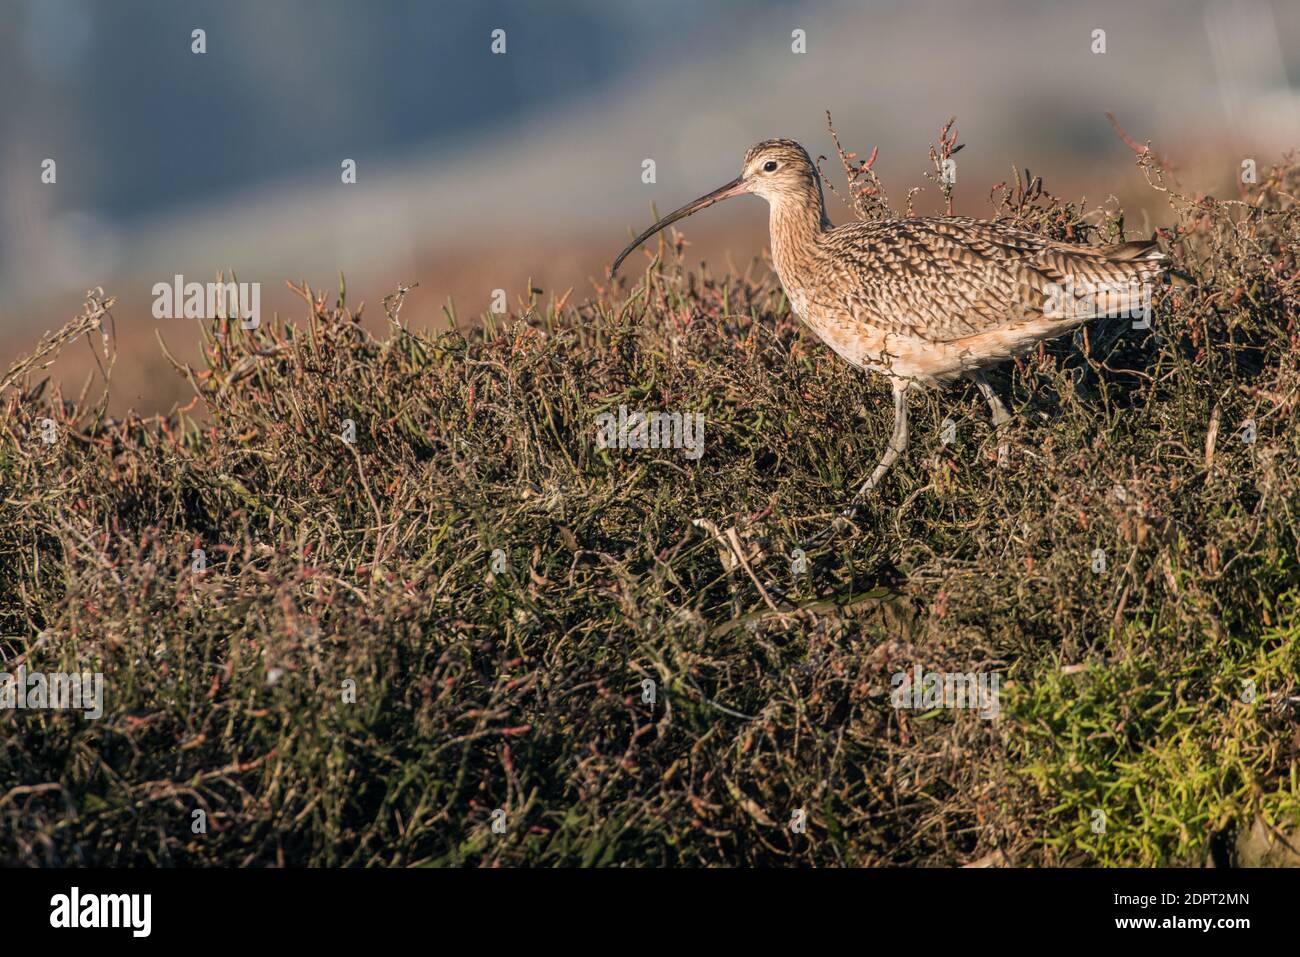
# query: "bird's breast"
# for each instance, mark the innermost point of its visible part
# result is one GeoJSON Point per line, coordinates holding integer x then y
{"type": "Point", "coordinates": [853, 340]}
{"type": "Point", "coordinates": [875, 348]}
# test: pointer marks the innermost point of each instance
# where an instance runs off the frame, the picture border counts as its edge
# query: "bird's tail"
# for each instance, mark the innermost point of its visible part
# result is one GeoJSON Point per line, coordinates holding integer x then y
{"type": "Point", "coordinates": [1142, 250]}
{"type": "Point", "coordinates": [1119, 280]}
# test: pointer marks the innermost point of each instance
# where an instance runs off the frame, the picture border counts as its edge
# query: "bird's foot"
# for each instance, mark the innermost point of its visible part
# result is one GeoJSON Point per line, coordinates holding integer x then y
{"type": "Point", "coordinates": [1001, 431]}
{"type": "Point", "coordinates": [845, 517]}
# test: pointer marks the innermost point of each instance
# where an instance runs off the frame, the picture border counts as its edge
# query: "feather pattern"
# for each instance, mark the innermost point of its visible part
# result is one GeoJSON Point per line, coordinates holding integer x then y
{"type": "Point", "coordinates": [933, 298]}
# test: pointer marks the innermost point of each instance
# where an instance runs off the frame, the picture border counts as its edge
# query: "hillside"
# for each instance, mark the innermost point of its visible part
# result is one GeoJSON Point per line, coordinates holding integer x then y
{"type": "Point", "coordinates": [355, 644]}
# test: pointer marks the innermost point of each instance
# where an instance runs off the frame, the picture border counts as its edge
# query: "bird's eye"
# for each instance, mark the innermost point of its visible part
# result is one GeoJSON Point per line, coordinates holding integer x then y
{"type": "Point", "coordinates": [769, 166]}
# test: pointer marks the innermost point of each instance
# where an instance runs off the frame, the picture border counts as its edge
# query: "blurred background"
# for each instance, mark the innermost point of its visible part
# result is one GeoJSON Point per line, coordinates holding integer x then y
{"type": "Point", "coordinates": [478, 171]}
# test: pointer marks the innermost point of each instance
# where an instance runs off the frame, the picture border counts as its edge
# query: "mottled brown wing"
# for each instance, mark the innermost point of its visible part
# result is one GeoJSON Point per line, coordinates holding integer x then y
{"type": "Point", "coordinates": [947, 279]}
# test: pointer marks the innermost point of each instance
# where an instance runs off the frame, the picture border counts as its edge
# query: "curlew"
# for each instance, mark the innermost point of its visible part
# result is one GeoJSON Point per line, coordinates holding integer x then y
{"type": "Point", "coordinates": [925, 301]}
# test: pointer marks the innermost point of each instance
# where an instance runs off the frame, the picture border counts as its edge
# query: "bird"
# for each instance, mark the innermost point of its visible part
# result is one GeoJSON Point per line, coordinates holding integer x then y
{"type": "Point", "coordinates": [925, 301]}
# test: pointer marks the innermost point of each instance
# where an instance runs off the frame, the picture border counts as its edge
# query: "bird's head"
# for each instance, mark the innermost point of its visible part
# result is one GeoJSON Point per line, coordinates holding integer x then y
{"type": "Point", "coordinates": [777, 170]}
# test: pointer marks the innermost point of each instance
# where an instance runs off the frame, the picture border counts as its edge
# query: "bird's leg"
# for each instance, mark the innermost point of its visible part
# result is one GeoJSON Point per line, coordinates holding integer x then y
{"type": "Point", "coordinates": [1001, 417]}
{"type": "Point", "coordinates": [1000, 414]}
{"type": "Point", "coordinates": [897, 445]}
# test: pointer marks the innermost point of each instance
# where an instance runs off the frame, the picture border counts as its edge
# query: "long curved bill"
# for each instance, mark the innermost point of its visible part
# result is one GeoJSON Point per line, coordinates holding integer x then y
{"type": "Point", "coordinates": [734, 188]}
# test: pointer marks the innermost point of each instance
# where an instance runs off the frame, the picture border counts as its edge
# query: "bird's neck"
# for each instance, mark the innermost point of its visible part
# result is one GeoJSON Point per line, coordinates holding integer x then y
{"type": "Point", "coordinates": [797, 221]}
